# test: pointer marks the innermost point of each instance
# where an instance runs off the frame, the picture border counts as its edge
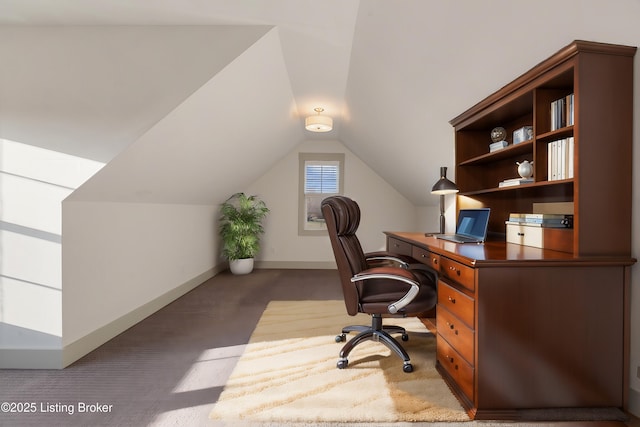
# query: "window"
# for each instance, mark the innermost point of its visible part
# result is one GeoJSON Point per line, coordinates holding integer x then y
{"type": "Point", "coordinates": [321, 176]}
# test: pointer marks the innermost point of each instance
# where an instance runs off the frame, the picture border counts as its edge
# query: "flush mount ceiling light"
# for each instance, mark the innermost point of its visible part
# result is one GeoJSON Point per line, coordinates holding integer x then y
{"type": "Point", "coordinates": [318, 123]}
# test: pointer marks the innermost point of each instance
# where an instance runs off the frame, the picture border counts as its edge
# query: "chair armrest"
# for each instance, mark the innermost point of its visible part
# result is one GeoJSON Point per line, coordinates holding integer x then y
{"type": "Point", "coordinates": [403, 261]}
{"type": "Point", "coordinates": [392, 273]}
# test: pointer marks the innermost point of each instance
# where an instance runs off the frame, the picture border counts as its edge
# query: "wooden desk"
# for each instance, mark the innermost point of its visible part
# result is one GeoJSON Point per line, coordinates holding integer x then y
{"type": "Point", "coordinates": [525, 328]}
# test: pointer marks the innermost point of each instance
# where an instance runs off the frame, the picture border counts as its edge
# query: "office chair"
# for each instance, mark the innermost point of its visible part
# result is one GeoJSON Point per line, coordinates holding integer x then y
{"type": "Point", "coordinates": [402, 289]}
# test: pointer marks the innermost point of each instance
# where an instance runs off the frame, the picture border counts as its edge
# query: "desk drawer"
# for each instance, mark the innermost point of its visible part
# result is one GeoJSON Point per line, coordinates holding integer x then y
{"type": "Point", "coordinates": [457, 303]}
{"type": "Point", "coordinates": [457, 272]}
{"type": "Point", "coordinates": [426, 257]}
{"type": "Point", "coordinates": [459, 335]}
{"type": "Point", "coordinates": [398, 246]}
{"type": "Point", "coordinates": [456, 366]}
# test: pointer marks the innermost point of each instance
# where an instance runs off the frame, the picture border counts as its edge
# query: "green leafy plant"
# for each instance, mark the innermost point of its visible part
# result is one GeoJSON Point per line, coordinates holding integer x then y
{"type": "Point", "coordinates": [241, 226]}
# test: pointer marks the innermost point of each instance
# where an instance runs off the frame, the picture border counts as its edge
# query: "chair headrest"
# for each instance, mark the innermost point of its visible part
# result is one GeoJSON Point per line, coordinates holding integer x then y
{"type": "Point", "coordinates": [346, 214]}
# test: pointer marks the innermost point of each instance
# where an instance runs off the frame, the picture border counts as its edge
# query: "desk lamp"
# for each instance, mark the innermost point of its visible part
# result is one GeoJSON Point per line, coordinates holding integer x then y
{"type": "Point", "coordinates": [442, 187]}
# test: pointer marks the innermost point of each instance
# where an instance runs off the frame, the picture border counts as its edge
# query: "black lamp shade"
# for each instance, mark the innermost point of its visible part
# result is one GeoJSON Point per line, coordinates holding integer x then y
{"type": "Point", "coordinates": [444, 186]}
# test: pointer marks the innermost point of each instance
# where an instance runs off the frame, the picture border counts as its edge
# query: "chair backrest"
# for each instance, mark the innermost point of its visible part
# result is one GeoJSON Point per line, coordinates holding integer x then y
{"type": "Point", "coordinates": [342, 216]}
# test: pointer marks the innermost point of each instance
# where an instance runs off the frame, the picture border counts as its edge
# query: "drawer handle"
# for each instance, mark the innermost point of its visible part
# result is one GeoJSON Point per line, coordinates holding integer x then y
{"type": "Point", "coordinates": [396, 245]}
{"type": "Point", "coordinates": [423, 255]}
{"type": "Point", "coordinates": [452, 327]}
{"type": "Point", "coordinates": [435, 261]}
{"type": "Point", "coordinates": [452, 300]}
{"type": "Point", "coordinates": [452, 360]}
{"type": "Point", "coordinates": [520, 234]}
{"type": "Point", "coordinates": [455, 269]}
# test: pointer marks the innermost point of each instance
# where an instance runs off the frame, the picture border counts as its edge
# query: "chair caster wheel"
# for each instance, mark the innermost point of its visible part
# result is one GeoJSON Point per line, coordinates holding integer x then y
{"type": "Point", "coordinates": [408, 367]}
{"type": "Point", "coordinates": [405, 337]}
{"type": "Point", "coordinates": [342, 363]}
{"type": "Point", "coordinates": [341, 338]}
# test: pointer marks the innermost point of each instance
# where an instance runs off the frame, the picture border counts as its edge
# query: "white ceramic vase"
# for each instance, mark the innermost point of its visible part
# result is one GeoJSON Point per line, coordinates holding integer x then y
{"type": "Point", "coordinates": [525, 169]}
{"type": "Point", "coordinates": [241, 266]}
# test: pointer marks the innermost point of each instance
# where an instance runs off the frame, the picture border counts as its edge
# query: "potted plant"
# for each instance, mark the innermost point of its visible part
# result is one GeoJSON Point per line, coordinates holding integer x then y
{"type": "Point", "coordinates": [240, 229]}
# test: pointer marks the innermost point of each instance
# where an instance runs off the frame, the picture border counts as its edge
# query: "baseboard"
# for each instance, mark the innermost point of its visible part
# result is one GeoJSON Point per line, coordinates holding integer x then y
{"type": "Point", "coordinates": [634, 402]}
{"type": "Point", "coordinates": [88, 343]}
{"type": "Point", "coordinates": [60, 358]}
{"type": "Point", "coordinates": [30, 358]}
{"type": "Point", "coordinates": [295, 265]}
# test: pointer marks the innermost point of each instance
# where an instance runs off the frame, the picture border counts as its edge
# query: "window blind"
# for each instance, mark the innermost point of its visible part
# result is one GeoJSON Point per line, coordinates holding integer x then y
{"type": "Point", "coordinates": [321, 178]}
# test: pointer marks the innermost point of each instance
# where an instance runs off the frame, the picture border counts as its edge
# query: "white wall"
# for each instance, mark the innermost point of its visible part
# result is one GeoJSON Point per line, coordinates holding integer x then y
{"type": "Point", "coordinates": [33, 183]}
{"type": "Point", "coordinates": [383, 208]}
{"type": "Point", "coordinates": [429, 216]}
{"type": "Point", "coordinates": [118, 257]}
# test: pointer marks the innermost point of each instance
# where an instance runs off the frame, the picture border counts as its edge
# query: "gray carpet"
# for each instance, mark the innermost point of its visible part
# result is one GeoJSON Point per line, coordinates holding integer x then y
{"type": "Point", "coordinates": [169, 369]}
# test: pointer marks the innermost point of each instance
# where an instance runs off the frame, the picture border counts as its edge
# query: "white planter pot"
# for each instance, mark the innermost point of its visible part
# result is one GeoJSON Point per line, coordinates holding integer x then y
{"type": "Point", "coordinates": [241, 266]}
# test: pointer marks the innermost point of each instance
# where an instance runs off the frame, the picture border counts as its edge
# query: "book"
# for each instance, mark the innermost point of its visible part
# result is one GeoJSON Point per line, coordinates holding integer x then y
{"type": "Point", "coordinates": [570, 150]}
{"type": "Point", "coordinates": [560, 156]}
{"type": "Point", "coordinates": [542, 220]}
{"type": "Point", "coordinates": [562, 112]}
{"type": "Point", "coordinates": [538, 215]}
{"type": "Point", "coordinates": [570, 110]}
{"type": "Point", "coordinates": [497, 146]}
{"type": "Point", "coordinates": [538, 224]}
{"type": "Point", "coordinates": [515, 181]}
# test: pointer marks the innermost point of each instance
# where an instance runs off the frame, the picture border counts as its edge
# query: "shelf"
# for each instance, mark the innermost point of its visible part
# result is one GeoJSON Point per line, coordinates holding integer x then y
{"type": "Point", "coordinates": [511, 150]}
{"type": "Point", "coordinates": [556, 134]}
{"type": "Point", "coordinates": [532, 186]}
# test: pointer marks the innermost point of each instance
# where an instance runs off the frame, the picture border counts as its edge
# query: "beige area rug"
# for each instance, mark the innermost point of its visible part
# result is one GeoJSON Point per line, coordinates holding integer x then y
{"type": "Point", "coordinates": [288, 373]}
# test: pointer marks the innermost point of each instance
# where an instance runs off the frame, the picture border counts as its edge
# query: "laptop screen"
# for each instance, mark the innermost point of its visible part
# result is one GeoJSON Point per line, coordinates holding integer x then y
{"type": "Point", "coordinates": [473, 222]}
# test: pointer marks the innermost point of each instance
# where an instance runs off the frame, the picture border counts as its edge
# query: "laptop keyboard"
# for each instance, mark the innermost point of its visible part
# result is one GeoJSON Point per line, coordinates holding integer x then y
{"type": "Point", "coordinates": [459, 239]}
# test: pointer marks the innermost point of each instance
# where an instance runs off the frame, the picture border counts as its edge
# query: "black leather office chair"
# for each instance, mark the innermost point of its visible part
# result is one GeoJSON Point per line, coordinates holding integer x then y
{"type": "Point", "coordinates": [402, 290]}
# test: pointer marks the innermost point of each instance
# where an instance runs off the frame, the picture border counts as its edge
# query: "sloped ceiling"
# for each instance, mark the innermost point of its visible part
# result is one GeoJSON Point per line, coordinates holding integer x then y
{"type": "Point", "coordinates": [391, 74]}
{"type": "Point", "coordinates": [217, 142]}
{"type": "Point", "coordinates": [91, 91]}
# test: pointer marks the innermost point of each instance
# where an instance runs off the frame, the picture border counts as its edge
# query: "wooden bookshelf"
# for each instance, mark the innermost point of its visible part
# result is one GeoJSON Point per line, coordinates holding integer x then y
{"type": "Point", "coordinates": [600, 76]}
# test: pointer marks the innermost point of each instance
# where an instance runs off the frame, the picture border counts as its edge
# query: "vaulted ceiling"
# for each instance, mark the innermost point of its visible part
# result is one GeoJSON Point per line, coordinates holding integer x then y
{"type": "Point", "coordinates": [165, 90]}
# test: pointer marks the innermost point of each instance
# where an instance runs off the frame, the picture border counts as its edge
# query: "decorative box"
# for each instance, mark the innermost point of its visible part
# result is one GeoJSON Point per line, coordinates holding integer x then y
{"type": "Point", "coordinates": [525, 235]}
{"type": "Point", "coordinates": [525, 133]}
{"type": "Point", "coordinates": [558, 239]}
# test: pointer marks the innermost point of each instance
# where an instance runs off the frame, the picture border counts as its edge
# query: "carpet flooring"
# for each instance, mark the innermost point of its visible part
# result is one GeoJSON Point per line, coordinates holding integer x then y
{"type": "Point", "coordinates": [170, 369]}
{"type": "Point", "coordinates": [288, 372]}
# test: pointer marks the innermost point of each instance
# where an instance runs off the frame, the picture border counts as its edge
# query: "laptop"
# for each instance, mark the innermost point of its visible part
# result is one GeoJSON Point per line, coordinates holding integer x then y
{"type": "Point", "coordinates": [471, 228]}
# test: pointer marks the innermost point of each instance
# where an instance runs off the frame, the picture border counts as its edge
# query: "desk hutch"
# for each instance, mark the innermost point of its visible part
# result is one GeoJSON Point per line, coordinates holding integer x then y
{"type": "Point", "coordinates": [522, 328]}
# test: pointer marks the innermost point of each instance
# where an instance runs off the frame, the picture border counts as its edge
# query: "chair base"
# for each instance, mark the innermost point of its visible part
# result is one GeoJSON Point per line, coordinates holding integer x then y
{"type": "Point", "coordinates": [376, 332]}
